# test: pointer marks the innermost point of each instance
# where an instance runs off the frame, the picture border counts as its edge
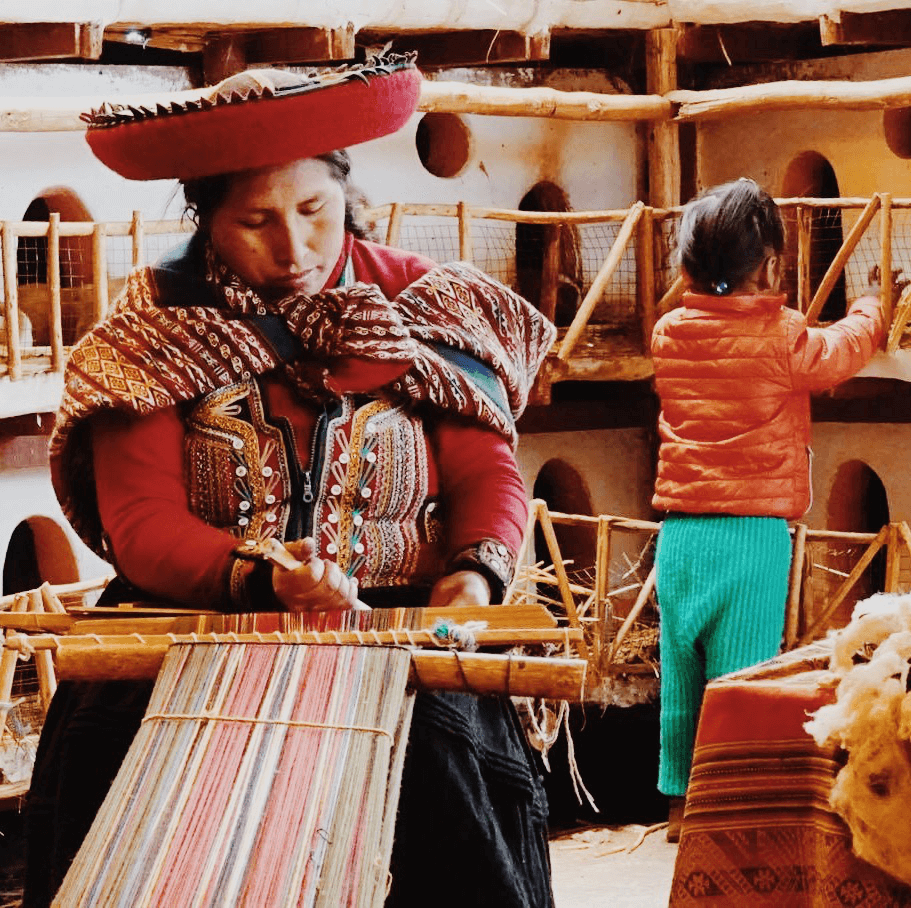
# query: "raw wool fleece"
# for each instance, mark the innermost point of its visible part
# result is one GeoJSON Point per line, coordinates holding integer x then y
{"type": "Point", "coordinates": [871, 720]}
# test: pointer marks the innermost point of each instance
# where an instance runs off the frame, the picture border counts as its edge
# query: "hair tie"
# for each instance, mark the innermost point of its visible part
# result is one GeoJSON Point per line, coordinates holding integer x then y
{"type": "Point", "coordinates": [720, 288]}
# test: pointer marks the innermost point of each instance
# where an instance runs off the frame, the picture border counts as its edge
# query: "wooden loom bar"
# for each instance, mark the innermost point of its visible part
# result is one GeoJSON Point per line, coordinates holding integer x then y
{"type": "Point", "coordinates": [852, 578]}
{"type": "Point", "coordinates": [53, 285]}
{"type": "Point", "coordinates": [11, 302]}
{"type": "Point", "coordinates": [99, 272]}
{"type": "Point", "coordinates": [136, 657]}
{"type": "Point", "coordinates": [599, 284]}
{"type": "Point", "coordinates": [841, 258]}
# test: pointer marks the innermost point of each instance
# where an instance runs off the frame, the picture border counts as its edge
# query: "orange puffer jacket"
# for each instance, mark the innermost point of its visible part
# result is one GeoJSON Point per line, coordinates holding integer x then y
{"type": "Point", "coordinates": [734, 374]}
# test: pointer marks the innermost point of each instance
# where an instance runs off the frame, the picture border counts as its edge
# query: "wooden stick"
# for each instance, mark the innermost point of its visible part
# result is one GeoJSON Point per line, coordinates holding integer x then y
{"type": "Point", "coordinates": [10, 657]}
{"type": "Point", "coordinates": [394, 225]}
{"type": "Point", "coordinates": [641, 600]}
{"type": "Point", "coordinates": [100, 272]}
{"type": "Point", "coordinates": [63, 589]}
{"type": "Point", "coordinates": [645, 276]}
{"type": "Point", "coordinates": [671, 296]}
{"type": "Point", "coordinates": [11, 302]}
{"type": "Point", "coordinates": [44, 660]}
{"type": "Point", "coordinates": [560, 571]}
{"type": "Point", "coordinates": [899, 320]}
{"type": "Point", "coordinates": [137, 234]}
{"type": "Point", "coordinates": [461, 97]}
{"type": "Point", "coordinates": [792, 615]}
{"type": "Point", "coordinates": [527, 538]}
{"type": "Point", "coordinates": [841, 258]}
{"type": "Point", "coordinates": [53, 283]}
{"type": "Point", "coordinates": [885, 258]}
{"type": "Point", "coordinates": [804, 248]}
{"type": "Point", "coordinates": [848, 584]}
{"type": "Point", "coordinates": [465, 250]}
{"type": "Point", "coordinates": [893, 560]}
{"type": "Point", "coordinates": [599, 284]}
{"type": "Point", "coordinates": [602, 578]}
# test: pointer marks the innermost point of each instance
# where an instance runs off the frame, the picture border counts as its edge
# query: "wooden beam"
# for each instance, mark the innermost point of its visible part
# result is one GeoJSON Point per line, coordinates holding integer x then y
{"type": "Point", "coordinates": [223, 56]}
{"type": "Point", "coordinates": [663, 139]}
{"type": "Point", "coordinates": [300, 45]}
{"type": "Point", "coordinates": [883, 29]}
{"type": "Point", "coordinates": [478, 47]}
{"type": "Point", "coordinates": [50, 41]}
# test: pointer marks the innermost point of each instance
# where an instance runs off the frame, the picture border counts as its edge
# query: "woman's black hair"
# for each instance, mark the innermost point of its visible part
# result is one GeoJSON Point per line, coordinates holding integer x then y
{"type": "Point", "coordinates": [205, 195]}
{"type": "Point", "coordinates": [726, 233]}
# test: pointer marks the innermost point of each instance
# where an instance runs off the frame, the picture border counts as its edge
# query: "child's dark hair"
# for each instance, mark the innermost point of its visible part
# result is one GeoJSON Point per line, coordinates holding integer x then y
{"type": "Point", "coordinates": [726, 233]}
{"type": "Point", "coordinates": [204, 195]}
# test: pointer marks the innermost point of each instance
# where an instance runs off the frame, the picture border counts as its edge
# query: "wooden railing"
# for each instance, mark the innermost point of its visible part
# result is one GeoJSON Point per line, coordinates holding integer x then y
{"type": "Point", "coordinates": [622, 264]}
{"type": "Point", "coordinates": [613, 598]}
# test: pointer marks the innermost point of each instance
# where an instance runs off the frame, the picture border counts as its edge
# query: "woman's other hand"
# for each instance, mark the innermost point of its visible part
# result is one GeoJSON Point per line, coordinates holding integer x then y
{"type": "Point", "coordinates": [317, 585]}
{"type": "Point", "coordinates": [460, 588]}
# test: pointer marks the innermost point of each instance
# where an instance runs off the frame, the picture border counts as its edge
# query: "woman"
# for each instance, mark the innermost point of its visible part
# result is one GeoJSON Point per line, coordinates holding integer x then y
{"type": "Point", "coordinates": [282, 377]}
{"type": "Point", "coordinates": [734, 368]}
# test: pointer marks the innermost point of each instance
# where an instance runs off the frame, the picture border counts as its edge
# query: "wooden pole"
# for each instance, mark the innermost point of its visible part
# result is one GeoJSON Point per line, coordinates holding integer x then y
{"type": "Point", "coordinates": [641, 600]}
{"type": "Point", "coordinates": [852, 578]}
{"type": "Point", "coordinates": [645, 275]}
{"type": "Point", "coordinates": [44, 660]}
{"type": "Point", "coordinates": [53, 283]}
{"type": "Point", "coordinates": [11, 302]}
{"type": "Point", "coordinates": [465, 247]}
{"type": "Point", "coordinates": [804, 248]}
{"type": "Point", "coordinates": [663, 140]}
{"type": "Point", "coordinates": [100, 272]}
{"type": "Point", "coordinates": [602, 579]}
{"type": "Point", "coordinates": [893, 560]}
{"type": "Point", "coordinates": [795, 586]}
{"type": "Point", "coordinates": [885, 259]}
{"type": "Point", "coordinates": [899, 320]}
{"type": "Point", "coordinates": [599, 284]}
{"type": "Point", "coordinates": [137, 233]}
{"type": "Point", "coordinates": [550, 271]}
{"type": "Point", "coordinates": [394, 225]}
{"type": "Point", "coordinates": [527, 538]}
{"type": "Point", "coordinates": [841, 258]}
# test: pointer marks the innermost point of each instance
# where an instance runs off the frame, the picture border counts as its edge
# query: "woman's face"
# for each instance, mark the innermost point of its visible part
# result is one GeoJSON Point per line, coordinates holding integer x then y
{"type": "Point", "coordinates": [282, 229]}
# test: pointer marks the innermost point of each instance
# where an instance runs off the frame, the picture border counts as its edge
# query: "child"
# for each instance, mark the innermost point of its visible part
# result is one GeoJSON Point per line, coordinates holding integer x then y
{"type": "Point", "coordinates": [734, 368]}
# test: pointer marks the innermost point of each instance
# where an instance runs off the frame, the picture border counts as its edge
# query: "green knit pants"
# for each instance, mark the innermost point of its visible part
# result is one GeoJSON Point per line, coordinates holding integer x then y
{"type": "Point", "coordinates": [722, 584]}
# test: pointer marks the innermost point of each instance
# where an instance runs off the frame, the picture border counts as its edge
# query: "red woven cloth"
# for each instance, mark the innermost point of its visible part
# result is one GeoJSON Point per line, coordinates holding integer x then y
{"type": "Point", "coordinates": [758, 829]}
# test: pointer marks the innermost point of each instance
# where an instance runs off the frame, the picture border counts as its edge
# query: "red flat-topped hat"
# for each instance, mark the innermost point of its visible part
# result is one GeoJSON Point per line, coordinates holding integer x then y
{"type": "Point", "coordinates": [258, 118]}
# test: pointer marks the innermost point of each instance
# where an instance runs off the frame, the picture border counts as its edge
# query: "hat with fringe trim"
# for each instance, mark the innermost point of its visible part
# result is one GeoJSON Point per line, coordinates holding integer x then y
{"type": "Point", "coordinates": [257, 118]}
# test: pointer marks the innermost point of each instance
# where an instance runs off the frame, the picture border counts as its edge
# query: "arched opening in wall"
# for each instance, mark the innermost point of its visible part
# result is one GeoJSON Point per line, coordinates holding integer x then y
{"type": "Point", "coordinates": [75, 268]}
{"type": "Point", "coordinates": [857, 503]}
{"type": "Point", "coordinates": [444, 144]}
{"type": "Point", "coordinates": [897, 131]}
{"type": "Point", "coordinates": [549, 257]}
{"type": "Point", "coordinates": [564, 490]}
{"type": "Point", "coordinates": [810, 175]}
{"type": "Point", "coordinates": [38, 551]}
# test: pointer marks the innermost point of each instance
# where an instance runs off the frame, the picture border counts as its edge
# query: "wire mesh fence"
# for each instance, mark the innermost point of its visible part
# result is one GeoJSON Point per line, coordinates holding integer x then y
{"type": "Point", "coordinates": [551, 258]}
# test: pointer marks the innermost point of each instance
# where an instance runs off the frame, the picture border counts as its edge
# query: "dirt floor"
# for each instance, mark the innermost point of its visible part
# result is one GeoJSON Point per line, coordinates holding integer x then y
{"type": "Point", "coordinates": [617, 866]}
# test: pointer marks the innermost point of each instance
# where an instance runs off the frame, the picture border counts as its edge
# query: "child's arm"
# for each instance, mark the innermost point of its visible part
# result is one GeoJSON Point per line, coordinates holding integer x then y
{"type": "Point", "coordinates": [823, 357]}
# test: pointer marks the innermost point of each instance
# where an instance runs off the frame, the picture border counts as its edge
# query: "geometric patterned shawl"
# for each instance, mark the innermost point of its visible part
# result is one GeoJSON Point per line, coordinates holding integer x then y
{"type": "Point", "coordinates": [145, 356]}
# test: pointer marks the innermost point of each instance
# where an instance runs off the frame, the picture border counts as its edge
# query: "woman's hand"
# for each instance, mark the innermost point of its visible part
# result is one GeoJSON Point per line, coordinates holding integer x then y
{"type": "Point", "coordinates": [460, 588]}
{"type": "Point", "coordinates": [317, 585]}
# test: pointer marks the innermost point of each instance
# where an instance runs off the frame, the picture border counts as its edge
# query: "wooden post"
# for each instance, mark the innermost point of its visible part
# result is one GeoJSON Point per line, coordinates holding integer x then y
{"type": "Point", "coordinates": [100, 272]}
{"type": "Point", "coordinates": [465, 248]}
{"type": "Point", "coordinates": [899, 320]}
{"type": "Point", "coordinates": [137, 233]}
{"type": "Point", "coordinates": [11, 302]}
{"type": "Point", "coordinates": [602, 580]}
{"type": "Point", "coordinates": [841, 259]}
{"type": "Point", "coordinates": [44, 659]}
{"type": "Point", "coordinates": [53, 284]}
{"type": "Point", "coordinates": [795, 586]}
{"type": "Point", "coordinates": [893, 559]}
{"type": "Point", "coordinates": [804, 246]}
{"type": "Point", "coordinates": [599, 284]}
{"type": "Point", "coordinates": [394, 225]}
{"type": "Point", "coordinates": [645, 275]}
{"type": "Point", "coordinates": [664, 142]}
{"type": "Point", "coordinates": [885, 259]}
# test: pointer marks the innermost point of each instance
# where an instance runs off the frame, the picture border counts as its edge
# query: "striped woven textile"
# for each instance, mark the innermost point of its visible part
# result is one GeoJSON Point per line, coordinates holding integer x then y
{"type": "Point", "coordinates": [758, 829]}
{"type": "Point", "coordinates": [262, 774]}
